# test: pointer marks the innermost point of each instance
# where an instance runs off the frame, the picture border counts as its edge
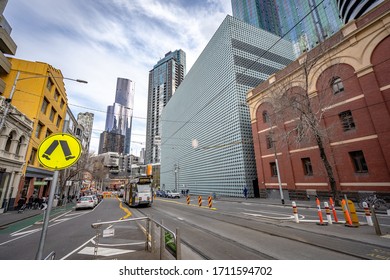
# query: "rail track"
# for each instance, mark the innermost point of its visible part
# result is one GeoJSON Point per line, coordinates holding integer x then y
{"type": "Point", "coordinates": [196, 236]}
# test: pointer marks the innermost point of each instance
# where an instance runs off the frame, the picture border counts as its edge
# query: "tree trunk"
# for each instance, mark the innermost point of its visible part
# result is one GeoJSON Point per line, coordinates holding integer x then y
{"type": "Point", "coordinates": [328, 168]}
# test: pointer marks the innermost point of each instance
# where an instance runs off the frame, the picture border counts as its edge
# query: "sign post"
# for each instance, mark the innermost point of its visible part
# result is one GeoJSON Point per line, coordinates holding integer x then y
{"type": "Point", "coordinates": [57, 152]}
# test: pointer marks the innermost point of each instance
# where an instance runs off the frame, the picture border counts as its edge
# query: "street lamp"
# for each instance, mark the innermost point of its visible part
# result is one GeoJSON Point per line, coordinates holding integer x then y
{"type": "Point", "coordinates": [9, 100]}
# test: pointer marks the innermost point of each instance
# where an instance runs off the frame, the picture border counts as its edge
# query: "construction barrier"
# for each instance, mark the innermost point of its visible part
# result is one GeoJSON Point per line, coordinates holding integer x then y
{"type": "Point", "coordinates": [333, 210]}
{"type": "Point", "coordinates": [321, 223]}
{"type": "Point", "coordinates": [295, 211]}
{"type": "Point", "coordinates": [210, 201]}
{"type": "Point", "coordinates": [200, 201]}
{"type": "Point", "coordinates": [368, 214]}
{"type": "Point", "coordinates": [327, 211]}
{"type": "Point", "coordinates": [188, 199]}
{"type": "Point", "coordinates": [346, 213]}
{"type": "Point", "coordinates": [353, 214]}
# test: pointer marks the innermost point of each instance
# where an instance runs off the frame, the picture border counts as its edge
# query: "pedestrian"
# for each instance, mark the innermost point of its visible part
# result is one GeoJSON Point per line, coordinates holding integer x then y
{"type": "Point", "coordinates": [245, 192]}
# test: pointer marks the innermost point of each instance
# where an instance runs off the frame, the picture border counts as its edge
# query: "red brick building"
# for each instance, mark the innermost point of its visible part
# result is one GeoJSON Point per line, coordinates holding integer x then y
{"type": "Point", "coordinates": [349, 91]}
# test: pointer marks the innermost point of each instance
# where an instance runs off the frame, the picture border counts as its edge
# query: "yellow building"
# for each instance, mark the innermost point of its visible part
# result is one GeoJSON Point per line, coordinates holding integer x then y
{"type": "Point", "coordinates": [40, 95]}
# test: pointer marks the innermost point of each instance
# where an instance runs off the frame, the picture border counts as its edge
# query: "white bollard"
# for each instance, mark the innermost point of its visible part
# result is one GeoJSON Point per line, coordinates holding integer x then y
{"type": "Point", "coordinates": [327, 210]}
{"type": "Point", "coordinates": [295, 211]}
{"type": "Point", "coordinates": [368, 214]}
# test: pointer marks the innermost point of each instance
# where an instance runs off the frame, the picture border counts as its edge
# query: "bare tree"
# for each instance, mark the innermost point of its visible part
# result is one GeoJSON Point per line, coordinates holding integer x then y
{"type": "Point", "coordinates": [298, 114]}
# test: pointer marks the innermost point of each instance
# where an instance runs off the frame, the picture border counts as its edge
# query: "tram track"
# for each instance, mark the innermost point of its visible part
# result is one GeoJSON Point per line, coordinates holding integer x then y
{"type": "Point", "coordinates": [284, 232]}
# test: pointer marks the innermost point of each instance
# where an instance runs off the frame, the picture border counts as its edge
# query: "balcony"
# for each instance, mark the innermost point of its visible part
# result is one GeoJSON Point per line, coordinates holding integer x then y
{"type": "Point", "coordinates": [7, 45]}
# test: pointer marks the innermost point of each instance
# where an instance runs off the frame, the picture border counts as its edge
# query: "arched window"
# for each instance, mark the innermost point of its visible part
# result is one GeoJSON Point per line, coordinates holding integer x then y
{"type": "Point", "coordinates": [265, 117]}
{"type": "Point", "coordinates": [20, 143]}
{"type": "Point", "coordinates": [337, 85]}
{"type": "Point", "coordinates": [8, 143]}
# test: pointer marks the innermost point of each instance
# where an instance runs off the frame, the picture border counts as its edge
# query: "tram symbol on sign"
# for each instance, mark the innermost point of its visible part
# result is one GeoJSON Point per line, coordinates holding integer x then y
{"type": "Point", "coordinates": [59, 151]}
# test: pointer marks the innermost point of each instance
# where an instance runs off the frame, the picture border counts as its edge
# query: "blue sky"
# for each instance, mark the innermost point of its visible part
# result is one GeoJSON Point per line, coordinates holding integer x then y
{"type": "Point", "coordinates": [101, 40]}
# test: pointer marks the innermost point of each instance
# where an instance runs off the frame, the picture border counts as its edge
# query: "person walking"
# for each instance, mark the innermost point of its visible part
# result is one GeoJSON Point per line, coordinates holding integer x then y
{"type": "Point", "coordinates": [245, 192]}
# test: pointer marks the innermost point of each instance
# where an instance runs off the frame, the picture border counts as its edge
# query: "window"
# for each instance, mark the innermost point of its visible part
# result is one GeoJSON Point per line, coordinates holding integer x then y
{"type": "Point", "coordinates": [38, 130]}
{"type": "Point", "coordinates": [59, 119]}
{"type": "Point", "coordinates": [274, 170]}
{"type": "Point", "coordinates": [32, 156]}
{"type": "Point", "coordinates": [45, 103]}
{"type": "Point", "coordinates": [48, 132]}
{"type": "Point", "coordinates": [337, 85]}
{"type": "Point", "coordinates": [8, 143]}
{"type": "Point", "coordinates": [347, 120]}
{"type": "Point", "coordinates": [52, 114]}
{"type": "Point", "coordinates": [19, 146]}
{"type": "Point", "coordinates": [307, 168]}
{"type": "Point", "coordinates": [358, 161]}
{"type": "Point", "coordinates": [265, 117]}
{"type": "Point", "coordinates": [49, 84]}
{"type": "Point", "coordinates": [56, 95]}
{"type": "Point", "coordinates": [62, 103]}
{"type": "Point", "coordinates": [269, 141]}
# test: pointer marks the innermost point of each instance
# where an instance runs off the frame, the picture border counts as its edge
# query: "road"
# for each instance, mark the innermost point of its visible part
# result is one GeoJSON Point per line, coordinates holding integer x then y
{"type": "Point", "coordinates": [239, 230]}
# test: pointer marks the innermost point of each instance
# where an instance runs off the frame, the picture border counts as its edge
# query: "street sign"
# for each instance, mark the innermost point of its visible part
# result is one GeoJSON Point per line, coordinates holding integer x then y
{"type": "Point", "coordinates": [59, 151]}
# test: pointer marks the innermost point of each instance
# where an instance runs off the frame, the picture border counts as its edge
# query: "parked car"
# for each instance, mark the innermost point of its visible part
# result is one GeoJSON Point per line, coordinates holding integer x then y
{"type": "Point", "coordinates": [95, 199]}
{"type": "Point", "coordinates": [172, 194]}
{"type": "Point", "coordinates": [161, 193]}
{"type": "Point", "coordinates": [85, 202]}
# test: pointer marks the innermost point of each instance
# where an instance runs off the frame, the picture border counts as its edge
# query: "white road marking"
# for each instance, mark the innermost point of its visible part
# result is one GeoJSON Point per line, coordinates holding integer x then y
{"type": "Point", "coordinates": [105, 252]}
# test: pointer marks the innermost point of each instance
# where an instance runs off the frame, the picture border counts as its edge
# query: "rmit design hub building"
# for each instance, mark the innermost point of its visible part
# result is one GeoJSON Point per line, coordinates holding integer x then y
{"type": "Point", "coordinates": [206, 143]}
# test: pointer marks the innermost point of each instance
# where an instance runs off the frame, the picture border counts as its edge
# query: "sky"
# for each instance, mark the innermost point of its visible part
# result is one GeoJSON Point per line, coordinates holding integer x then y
{"type": "Point", "coordinates": [102, 40]}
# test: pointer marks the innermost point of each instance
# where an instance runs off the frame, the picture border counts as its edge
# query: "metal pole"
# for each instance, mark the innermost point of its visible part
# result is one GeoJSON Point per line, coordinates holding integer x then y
{"type": "Point", "coordinates": [279, 180]}
{"type": "Point", "coordinates": [8, 103]}
{"type": "Point", "coordinates": [175, 177]}
{"type": "Point", "coordinates": [47, 216]}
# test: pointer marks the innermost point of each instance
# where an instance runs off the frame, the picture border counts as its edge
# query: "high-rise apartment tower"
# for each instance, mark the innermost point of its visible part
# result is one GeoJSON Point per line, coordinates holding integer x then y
{"type": "Point", "coordinates": [164, 79]}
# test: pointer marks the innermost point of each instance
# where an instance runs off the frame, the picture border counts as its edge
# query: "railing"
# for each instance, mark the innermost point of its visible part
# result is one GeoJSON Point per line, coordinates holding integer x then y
{"type": "Point", "coordinates": [169, 241]}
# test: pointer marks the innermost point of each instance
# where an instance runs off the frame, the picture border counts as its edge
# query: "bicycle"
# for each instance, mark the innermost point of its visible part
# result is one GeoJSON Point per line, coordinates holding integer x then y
{"type": "Point", "coordinates": [378, 203]}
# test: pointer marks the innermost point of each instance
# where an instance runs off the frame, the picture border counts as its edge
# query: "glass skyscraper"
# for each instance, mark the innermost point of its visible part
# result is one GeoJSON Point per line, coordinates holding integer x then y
{"type": "Point", "coordinates": [306, 23]}
{"type": "Point", "coordinates": [164, 79]}
{"type": "Point", "coordinates": [120, 114]}
{"type": "Point", "coordinates": [206, 143]}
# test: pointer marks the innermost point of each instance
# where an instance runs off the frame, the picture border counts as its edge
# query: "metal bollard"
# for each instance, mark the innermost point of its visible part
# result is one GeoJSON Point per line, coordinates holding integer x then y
{"type": "Point", "coordinates": [295, 211]}
{"type": "Point", "coordinates": [368, 214]}
{"type": "Point", "coordinates": [327, 211]}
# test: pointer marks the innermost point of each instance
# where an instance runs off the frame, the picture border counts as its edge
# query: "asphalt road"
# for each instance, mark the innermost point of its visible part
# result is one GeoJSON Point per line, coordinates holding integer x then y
{"type": "Point", "coordinates": [228, 231]}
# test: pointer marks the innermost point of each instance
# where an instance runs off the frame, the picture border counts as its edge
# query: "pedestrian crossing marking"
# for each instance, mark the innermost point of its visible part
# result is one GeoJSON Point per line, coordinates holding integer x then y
{"type": "Point", "coordinates": [59, 151]}
{"type": "Point", "coordinates": [105, 252]}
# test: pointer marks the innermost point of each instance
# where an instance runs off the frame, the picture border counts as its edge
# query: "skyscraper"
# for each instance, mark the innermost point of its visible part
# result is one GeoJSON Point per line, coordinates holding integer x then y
{"type": "Point", "coordinates": [164, 79]}
{"type": "Point", "coordinates": [209, 108]}
{"type": "Point", "coordinates": [259, 13]}
{"type": "Point", "coordinates": [119, 117]}
{"type": "Point", "coordinates": [306, 23]}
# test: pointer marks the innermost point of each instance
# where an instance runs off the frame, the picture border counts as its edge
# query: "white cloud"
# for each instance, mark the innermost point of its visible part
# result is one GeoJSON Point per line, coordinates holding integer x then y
{"type": "Point", "coordinates": [101, 40]}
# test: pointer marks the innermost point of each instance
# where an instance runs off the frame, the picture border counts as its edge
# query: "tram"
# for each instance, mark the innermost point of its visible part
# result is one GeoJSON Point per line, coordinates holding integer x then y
{"type": "Point", "coordinates": [139, 192]}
